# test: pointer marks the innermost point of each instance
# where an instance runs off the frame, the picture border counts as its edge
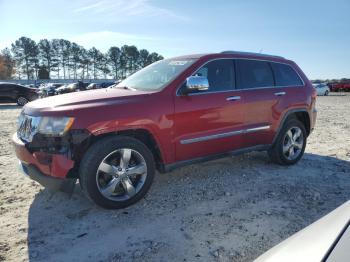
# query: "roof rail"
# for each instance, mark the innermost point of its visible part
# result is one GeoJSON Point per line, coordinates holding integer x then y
{"type": "Point", "coordinates": [250, 53]}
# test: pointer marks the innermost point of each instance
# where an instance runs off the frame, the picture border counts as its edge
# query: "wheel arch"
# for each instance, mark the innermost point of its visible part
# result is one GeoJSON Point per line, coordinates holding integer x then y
{"type": "Point", "coordinates": [300, 114]}
{"type": "Point", "coordinates": [143, 135]}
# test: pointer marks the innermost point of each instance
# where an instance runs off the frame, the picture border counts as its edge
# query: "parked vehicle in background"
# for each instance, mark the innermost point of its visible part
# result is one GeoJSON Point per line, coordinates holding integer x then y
{"type": "Point", "coordinates": [36, 85]}
{"type": "Point", "coordinates": [92, 86]}
{"type": "Point", "coordinates": [106, 84]}
{"type": "Point", "coordinates": [81, 86]}
{"type": "Point", "coordinates": [327, 239]}
{"type": "Point", "coordinates": [322, 89]}
{"type": "Point", "coordinates": [173, 112]}
{"type": "Point", "coordinates": [340, 87]}
{"type": "Point", "coordinates": [49, 89]}
{"type": "Point", "coordinates": [10, 93]}
{"type": "Point", "coordinates": [67, 88]}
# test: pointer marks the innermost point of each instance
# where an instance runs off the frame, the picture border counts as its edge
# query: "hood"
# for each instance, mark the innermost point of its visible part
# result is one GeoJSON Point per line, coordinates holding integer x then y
{"type": "Point", "coordinates": [80, 100]}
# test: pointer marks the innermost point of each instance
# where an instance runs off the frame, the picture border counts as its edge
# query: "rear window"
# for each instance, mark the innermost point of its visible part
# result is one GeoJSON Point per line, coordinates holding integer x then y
{"type": "Point", "coordinates": [254, 74]}
{"type": "Point", "coordinates": [285, 75]}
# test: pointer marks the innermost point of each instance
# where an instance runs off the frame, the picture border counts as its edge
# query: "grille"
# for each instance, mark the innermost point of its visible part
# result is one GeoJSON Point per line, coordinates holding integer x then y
{"type": "Point", "coordinates": [27, 127]}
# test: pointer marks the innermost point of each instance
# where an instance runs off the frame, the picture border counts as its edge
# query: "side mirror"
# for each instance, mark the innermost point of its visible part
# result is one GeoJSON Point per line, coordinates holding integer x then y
{"type": "Point", "coordinates": [199, 83]}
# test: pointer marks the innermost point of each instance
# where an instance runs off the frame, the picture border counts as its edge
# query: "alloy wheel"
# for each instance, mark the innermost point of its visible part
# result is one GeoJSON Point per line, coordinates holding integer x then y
{"type": "Point", "coordinates": [293, 143]}
{"type": "Point", "coordinates": [121, 174]}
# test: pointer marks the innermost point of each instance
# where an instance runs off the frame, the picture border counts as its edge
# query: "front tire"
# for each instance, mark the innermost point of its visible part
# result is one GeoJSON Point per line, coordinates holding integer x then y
{"type": "Point", "coordinates": [326, 93]}
{"type": "Point", "coordinates": [116, 172]}
{"type": "Point", "coordinates": [290, 144]}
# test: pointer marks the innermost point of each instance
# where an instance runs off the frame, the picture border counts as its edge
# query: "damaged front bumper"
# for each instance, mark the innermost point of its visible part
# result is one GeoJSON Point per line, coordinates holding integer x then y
{"type": "Point", "coordinates": [50, 170]}
{"type": "Point", "coordinates": [57, 184]}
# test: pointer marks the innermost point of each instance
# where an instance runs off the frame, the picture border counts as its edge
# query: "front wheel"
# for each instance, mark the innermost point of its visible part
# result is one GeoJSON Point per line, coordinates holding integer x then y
{"type": "Point", "coordinates": [117, 172]}
{"type": "Point", "coordinates": [326, 93]}
{"type": "Point", "coordinates": [290, 144]}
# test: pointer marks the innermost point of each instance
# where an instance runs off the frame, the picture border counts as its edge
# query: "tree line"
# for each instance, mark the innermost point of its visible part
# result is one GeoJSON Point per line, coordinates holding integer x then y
{"type": "Point", "coordinates": [60, 58]}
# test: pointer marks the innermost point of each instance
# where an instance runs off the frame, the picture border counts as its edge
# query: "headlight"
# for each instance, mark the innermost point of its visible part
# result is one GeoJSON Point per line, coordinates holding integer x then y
{"type": "Point", "coordinates": [55, 125]}
{"type": "Point", "coordinates": [28, 126]}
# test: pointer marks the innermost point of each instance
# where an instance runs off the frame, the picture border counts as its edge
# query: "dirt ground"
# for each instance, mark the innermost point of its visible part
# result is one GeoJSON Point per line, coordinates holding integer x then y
{"type": "Point", "coordinates": [232, 209]}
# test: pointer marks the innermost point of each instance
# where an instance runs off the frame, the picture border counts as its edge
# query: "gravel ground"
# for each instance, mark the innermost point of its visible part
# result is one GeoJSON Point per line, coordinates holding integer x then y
{"type": "Point", "coordinates": [232, 209]}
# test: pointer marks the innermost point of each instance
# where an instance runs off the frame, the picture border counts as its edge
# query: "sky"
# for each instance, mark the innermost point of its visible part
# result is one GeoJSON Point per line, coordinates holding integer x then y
{"type": "Point", "coordinates": [315, 34]}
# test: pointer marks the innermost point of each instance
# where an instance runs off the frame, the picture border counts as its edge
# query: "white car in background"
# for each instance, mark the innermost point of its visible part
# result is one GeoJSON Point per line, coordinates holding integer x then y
{"type": "Point", "coordinates": [322, 89]}
{"type": "Point", "coordinates": [326, 240]}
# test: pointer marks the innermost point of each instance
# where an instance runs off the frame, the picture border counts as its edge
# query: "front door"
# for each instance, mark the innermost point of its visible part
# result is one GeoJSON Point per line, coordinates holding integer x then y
{"type": "Point", "coordinates": [209, 122]}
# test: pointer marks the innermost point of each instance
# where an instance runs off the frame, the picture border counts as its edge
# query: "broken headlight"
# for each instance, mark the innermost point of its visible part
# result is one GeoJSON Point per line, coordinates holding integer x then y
{"type": "Point", "coordinates": [54, 126]}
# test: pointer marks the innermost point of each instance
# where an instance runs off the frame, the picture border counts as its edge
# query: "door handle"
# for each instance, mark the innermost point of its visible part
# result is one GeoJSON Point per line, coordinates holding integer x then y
{"type": "Point", "coordinates": [233, 98]}
{"type": "Point", "coordinates": [280, 93]}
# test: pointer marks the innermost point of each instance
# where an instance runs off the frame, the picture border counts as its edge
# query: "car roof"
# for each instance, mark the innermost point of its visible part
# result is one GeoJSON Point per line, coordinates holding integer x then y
{"type": "Point", "coordinates": [9, 83]}
{"type": "Point", "coordinates": [233, 54]}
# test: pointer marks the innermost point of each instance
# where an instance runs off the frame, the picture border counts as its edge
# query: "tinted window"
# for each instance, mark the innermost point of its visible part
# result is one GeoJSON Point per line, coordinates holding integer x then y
{"type": "Point", "coordinates": [253, 74]}
{"type": "Point", "coordinates": [220, 74]}
{"type": "Point", "coordinates": [285, 75]}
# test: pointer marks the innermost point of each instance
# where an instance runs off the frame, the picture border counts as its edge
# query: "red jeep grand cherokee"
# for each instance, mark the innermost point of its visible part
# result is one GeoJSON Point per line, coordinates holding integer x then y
{"type": "Point", "coordinates": [174, 112]}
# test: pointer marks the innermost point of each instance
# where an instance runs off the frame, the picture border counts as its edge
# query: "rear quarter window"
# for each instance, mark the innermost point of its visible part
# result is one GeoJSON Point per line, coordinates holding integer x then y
{"type": "Point", "coordinates": [285, 75]}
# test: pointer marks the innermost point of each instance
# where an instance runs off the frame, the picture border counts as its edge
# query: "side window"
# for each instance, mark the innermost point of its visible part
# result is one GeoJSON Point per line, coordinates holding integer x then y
{"type": "Point", "coordinates": [285, 75]}
{"type": "Point", "coordinates": [220, 74]}
{"type": "Point", "coordinates": [254, 74]}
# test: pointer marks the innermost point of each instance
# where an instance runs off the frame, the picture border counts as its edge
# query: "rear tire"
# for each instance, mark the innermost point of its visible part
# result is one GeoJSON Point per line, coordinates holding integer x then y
{"type": "Point", "coordinates": [290, 144]}
{"type": "Point", "coordinates": [116, 172]}
{"type": "Point", "coordinates": [326, 93]}
{"type": "Point", "coordinates": [21, 101]}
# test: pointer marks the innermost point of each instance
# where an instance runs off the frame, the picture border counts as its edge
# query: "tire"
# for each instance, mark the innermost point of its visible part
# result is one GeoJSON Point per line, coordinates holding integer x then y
{"type": "Point", "coordinates": [21, 101]}
{"type": "Point", "coordinates": [106, 162]}
{"type": "Point", "coordinates": [326, 93]}
{"type": "Point", "coordinates": [280, 152]}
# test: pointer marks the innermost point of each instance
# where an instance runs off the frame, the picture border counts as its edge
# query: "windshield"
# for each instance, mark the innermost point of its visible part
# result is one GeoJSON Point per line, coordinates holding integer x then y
{"type": "Point", "coordinates": [156, 75]}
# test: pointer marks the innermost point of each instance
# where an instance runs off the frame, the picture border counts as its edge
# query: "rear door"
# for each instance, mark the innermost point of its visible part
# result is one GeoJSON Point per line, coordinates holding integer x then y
{"type": "Point", "coordinates": [256, 80]}
{"type": "Point", "coordinates": [209, 122]}
{"type": "Point", "coordinates": [290, 86]}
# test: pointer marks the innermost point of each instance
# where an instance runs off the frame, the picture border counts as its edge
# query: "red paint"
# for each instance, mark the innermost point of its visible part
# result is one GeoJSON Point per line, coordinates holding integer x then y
{"type": "Point", "coordinates": [340, 87]}
{"type": "Point", "coordinates": [171, 118]}
{"type": "Point", "coordinates": [49, 164]}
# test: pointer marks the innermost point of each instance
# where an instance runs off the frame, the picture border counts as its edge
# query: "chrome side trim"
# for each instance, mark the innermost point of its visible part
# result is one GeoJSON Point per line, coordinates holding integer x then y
{"type": "Point", "coordinates": [255, 129]}
{"type": "Point", "coordinates": [206, 138]}
{"type": "Point", "coordinates": [223, 135]}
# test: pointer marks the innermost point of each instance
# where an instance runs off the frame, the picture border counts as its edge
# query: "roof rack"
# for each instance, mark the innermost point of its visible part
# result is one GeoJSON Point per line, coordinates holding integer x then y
{"type": "Point", "coordinates": [250, 53]}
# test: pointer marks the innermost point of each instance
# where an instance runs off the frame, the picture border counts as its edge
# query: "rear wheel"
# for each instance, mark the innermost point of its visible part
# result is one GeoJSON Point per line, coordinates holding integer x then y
{"type": "Point", "coordinates": [21, 101]}
{"type": "Point", "coordinates": [117, 172]}
{"type": "Point", "coordinates": [290, 144]}
{"type": "Point", "coordinates": [326, 93]}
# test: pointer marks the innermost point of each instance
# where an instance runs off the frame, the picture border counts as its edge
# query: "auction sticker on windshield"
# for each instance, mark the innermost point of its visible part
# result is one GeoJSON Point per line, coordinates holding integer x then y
{"type": "Point", "coordinates": [179, 63]}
